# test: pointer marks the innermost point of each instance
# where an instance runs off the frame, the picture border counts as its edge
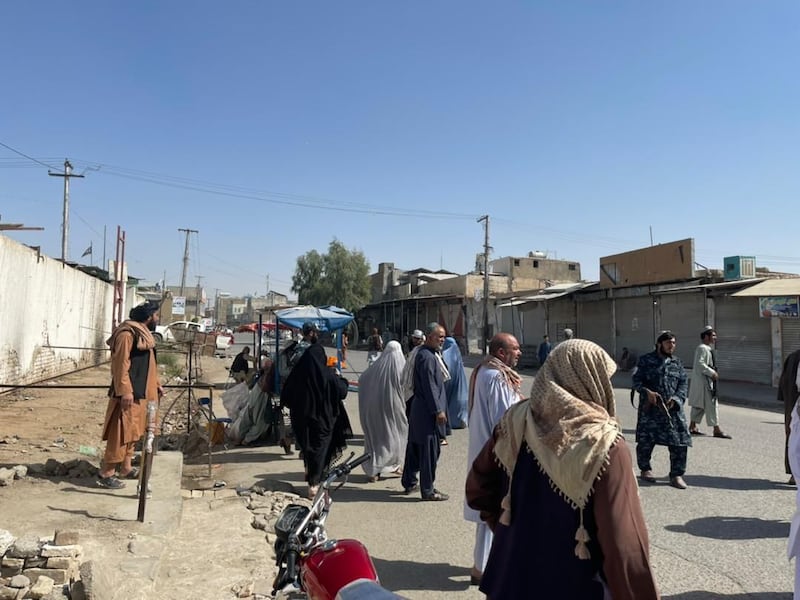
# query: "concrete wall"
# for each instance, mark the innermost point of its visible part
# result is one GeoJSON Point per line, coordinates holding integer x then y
{"type": "Point", "coordinates": [533, 273]}
{"type": "Point", "coordinates": [54, 318]}
{"type": "Point", "coordinates": [465, 285]}
{"type": "Point", "coordinates": [673, 261]}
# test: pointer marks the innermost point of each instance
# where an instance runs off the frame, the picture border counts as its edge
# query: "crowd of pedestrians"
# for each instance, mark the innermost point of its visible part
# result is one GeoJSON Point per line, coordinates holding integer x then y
{"type": "Point", "coordinates": [550, 482]}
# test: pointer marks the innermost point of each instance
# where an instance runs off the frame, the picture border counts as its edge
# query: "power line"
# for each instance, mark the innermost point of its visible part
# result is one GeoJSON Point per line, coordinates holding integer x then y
{"type": "Point", "coordinates": [26, 156]}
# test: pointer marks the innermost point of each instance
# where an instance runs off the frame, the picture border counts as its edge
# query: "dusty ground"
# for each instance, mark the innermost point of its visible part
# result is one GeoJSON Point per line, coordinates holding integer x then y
{"type": "Point", "coordinates": [65, 424]}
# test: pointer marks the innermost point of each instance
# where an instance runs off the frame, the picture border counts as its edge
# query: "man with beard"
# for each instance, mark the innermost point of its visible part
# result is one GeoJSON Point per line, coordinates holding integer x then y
{"type": "Point", "coordinates": [313, 393]}
{"type": "Point", "coordinates": [427, 417]}
{"type": "Point", "coordinates": [661, 382]}
{"type": "Point", "coordinates": [493, 387]}
{"type": "Point", "coordinates": [134, 382]}
{"type": "Point", "coordinates": [703, 396]}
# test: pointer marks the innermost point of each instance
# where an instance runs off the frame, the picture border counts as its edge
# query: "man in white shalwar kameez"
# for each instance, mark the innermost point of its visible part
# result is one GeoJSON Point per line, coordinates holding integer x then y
{"type": "Point", "coordinates": [493, 387]}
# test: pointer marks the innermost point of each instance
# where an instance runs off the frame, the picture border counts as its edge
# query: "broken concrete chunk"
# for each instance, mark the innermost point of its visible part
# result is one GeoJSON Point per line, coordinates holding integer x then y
{"type": "Point", "coordinates": [27, 546]}
{"type": "Point", "coordinates": [43, 586]}
{"type": "Point", "coordinates": [66, 538]}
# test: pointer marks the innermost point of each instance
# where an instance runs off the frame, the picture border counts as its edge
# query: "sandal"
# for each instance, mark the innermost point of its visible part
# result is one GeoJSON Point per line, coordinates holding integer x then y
{"type": "Point", "coordinates": [443, 442]}
{"type": "Point", "coordinates": [110, 482]}
{"type": "Point", "coordinates": [436, 496]}
{"type": "Point", "coordinates": [132, 474]}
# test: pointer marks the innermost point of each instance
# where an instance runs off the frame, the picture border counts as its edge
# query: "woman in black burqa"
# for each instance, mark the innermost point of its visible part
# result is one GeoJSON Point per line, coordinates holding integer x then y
{"type": "Point", "coordinates": [313, 392]}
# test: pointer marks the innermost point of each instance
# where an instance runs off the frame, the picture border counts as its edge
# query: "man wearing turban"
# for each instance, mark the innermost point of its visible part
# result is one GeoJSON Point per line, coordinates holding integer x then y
{"type": "Point", "coordinates": [134, 382]}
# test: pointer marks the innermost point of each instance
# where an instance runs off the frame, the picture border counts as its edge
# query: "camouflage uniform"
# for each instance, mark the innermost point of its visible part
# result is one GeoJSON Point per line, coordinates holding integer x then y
{"type": "Point", "coordinates": [655, 425]}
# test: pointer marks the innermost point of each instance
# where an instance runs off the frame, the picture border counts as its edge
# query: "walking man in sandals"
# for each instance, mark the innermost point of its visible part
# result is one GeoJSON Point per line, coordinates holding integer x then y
{"type": "Point", "coordinates": [427, 418]}
{"type": "Point", "coordinates": [703, 391]}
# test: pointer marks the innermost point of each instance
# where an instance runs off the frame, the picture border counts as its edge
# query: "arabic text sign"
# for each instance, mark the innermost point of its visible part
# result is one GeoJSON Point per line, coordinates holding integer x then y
{"type": "Point", "coordinates": [779, 306]}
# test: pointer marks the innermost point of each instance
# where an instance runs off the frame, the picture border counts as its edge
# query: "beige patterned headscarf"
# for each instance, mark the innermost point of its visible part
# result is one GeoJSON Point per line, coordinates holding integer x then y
{"type": "Point", "coordinates": [568, 424]}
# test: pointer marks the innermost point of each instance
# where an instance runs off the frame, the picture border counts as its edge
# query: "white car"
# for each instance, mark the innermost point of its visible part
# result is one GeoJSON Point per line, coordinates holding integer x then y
{"type": "Point", "coordinates": [180, 330]}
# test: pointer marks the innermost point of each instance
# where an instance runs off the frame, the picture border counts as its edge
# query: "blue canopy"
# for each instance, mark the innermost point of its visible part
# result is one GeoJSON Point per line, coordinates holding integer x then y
{"type": "Point", "coordinates": [327, 318]}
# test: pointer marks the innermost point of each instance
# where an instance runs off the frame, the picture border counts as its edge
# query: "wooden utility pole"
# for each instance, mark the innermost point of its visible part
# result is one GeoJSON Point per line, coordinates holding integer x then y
{"type": "Point", "coordinates": [486, 249]}
{"type": "Point", "coordinates": [185, 260]}
{"type": "Point", "coordinates": [65, 217]}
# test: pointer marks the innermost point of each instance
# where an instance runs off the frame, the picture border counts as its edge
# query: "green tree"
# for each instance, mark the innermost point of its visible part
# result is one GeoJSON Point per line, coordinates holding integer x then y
{"type": "Point", "coordinates": [340, 277]}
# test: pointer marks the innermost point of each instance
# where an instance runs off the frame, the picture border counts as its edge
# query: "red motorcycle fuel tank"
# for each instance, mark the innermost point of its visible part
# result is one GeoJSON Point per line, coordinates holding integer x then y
{"type": "Point", "coordinates": [332, 565]}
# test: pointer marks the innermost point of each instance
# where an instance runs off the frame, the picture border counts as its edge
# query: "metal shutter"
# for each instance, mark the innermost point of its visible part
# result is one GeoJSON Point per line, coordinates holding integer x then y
{"type": "Point", "coordinates": [594, 323]}
{"type": "Point", "coordinates": [635, 325]}
{"type": "Point", "coordinates": [684, 315]}
{"type": "Point", "coordinates": [561, 313]}
{"type": "Point", "coordinates": [744, 346]}
{"type": "Point", "coordinates": [790, 336]}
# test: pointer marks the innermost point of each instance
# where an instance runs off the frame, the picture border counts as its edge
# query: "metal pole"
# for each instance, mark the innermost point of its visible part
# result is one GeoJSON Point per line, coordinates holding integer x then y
{"type": "Point", "coordinates": [185, 259]}
{"type": "Point", "coordinates": [486, 249]}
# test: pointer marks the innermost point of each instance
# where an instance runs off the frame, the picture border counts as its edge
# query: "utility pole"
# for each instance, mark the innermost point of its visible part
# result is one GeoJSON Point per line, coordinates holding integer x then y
{"type": "Point", "coordinates": [65, 217]}
{"type": "Point", "coordinates": [185, 260]}
{"type": "Point", "coordinates": [486, 249]}
{"type": "Point", "coordinates": [197, 298]}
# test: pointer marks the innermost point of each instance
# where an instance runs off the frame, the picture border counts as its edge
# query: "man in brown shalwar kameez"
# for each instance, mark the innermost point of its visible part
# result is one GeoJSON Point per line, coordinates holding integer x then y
{"type": "Point", "coordinates": [134, 382]}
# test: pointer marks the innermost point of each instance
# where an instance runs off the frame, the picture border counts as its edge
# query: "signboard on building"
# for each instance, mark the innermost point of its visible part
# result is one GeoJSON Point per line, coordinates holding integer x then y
{"type": "Point", "coordinates": [179, 305]}
{"type": "Point", "coordinates": [779, 306]}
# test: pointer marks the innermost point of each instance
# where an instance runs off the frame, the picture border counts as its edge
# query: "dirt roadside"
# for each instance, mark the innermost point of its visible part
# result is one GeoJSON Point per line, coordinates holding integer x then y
{"type": "Point", "coordinates": [37, 425]}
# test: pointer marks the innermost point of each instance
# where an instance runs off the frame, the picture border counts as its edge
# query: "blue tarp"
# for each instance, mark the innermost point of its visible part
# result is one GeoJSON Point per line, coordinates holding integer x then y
{"type": "Point", "coordinates": [327, 318]}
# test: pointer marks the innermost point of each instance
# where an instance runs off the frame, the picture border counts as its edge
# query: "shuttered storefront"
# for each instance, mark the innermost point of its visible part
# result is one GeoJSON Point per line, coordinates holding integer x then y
{"type": "Point", "coordinates": [561, 314]}
{"type": "Point", "coordinates": [595, 324]}
{"type": "Point", "coordinates": [744, 347]}
{"type": "Point", "coordinates": [790, 336]}
{"type": "Point", "coordinates": [684, 315]}
{"type": "Point", "coordinates": [533, 320]}
{"type": "Point", "coordinates": [635, 325]}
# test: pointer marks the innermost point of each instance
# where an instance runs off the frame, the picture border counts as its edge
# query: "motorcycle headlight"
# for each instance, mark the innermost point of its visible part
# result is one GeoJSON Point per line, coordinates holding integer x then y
{"type": "Point", "coordinates": [290, 519]}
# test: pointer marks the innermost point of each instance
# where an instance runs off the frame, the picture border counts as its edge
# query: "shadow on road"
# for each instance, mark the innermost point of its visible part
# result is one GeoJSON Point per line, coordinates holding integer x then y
{"type": "Point", "coordinates": [734, 483]}
{"type": "Point", "coordinates": [733, 528]}
{"type": "Point", "coordinates": [407, 575]}
{"type": "Point", "coordinates": [86, 513]}
{"type": "Point", "coordinates": [715, 596]}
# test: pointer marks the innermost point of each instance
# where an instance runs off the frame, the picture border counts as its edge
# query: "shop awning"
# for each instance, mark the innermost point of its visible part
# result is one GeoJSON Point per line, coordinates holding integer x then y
{"type": "Point", "coordinates": [773, 287]}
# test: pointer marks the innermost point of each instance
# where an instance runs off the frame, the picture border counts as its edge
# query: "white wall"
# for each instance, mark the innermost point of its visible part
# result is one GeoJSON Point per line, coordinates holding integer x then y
{"type": "Point", "coordinates": [53, 318]}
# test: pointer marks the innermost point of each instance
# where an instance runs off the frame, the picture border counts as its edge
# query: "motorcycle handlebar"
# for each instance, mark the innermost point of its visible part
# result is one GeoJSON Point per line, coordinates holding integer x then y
{"type": "Point", "coordinates": [348, 466]}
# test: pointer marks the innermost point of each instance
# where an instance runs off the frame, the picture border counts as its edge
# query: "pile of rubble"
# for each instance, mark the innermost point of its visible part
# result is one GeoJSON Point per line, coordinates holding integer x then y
{"type": "Point", "coordinates": [49, 568]}
{"type": "Point", "coordinates": [76, 468]}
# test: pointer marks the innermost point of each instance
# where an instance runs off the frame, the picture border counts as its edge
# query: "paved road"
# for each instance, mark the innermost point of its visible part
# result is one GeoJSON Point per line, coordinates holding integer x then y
{"type": "Point", "coordinates": [724, 537]}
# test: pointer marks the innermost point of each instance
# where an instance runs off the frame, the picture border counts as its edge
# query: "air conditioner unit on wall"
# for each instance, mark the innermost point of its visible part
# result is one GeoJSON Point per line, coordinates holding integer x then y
{"type": "Point", "coordinates": [739, 267]}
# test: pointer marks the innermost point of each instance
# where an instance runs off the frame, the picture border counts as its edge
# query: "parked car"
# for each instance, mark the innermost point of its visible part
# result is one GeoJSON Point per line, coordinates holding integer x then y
{"type": "Point", "coordinates": [179, 331]}
{"type": "Point", "coordinates": [165, 332]}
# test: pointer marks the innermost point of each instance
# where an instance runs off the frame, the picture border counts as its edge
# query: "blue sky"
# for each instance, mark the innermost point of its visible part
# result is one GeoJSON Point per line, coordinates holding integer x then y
{"type": "Point", "coordinates": [271, 127]}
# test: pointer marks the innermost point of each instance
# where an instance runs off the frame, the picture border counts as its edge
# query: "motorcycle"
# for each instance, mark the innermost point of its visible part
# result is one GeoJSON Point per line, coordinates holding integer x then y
{"type": "Point", "coordinates": [309, 564]}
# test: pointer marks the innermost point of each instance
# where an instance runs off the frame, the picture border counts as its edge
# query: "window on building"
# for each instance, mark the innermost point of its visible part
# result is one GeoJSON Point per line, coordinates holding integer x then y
{"type": "Point", "coordinates": [571, 267]}
{"type": "Point", "coordinates": [536, 264]}
{"type": "Point", "coordinates": [516, 262]}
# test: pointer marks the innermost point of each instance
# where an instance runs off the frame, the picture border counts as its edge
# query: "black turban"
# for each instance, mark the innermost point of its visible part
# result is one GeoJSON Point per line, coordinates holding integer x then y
{"type": "Point", "coordinates": [665, 335]}
{"type": "Point", "coordinates": [144, 311]}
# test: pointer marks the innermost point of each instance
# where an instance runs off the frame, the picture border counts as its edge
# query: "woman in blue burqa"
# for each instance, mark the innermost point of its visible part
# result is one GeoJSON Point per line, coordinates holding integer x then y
{"type": "Point", "coordinates": [382, 410]}
{"type": "Point", "coordinates": [314, 393]}
{"type": "Point", "coordinates": [457, 387]}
